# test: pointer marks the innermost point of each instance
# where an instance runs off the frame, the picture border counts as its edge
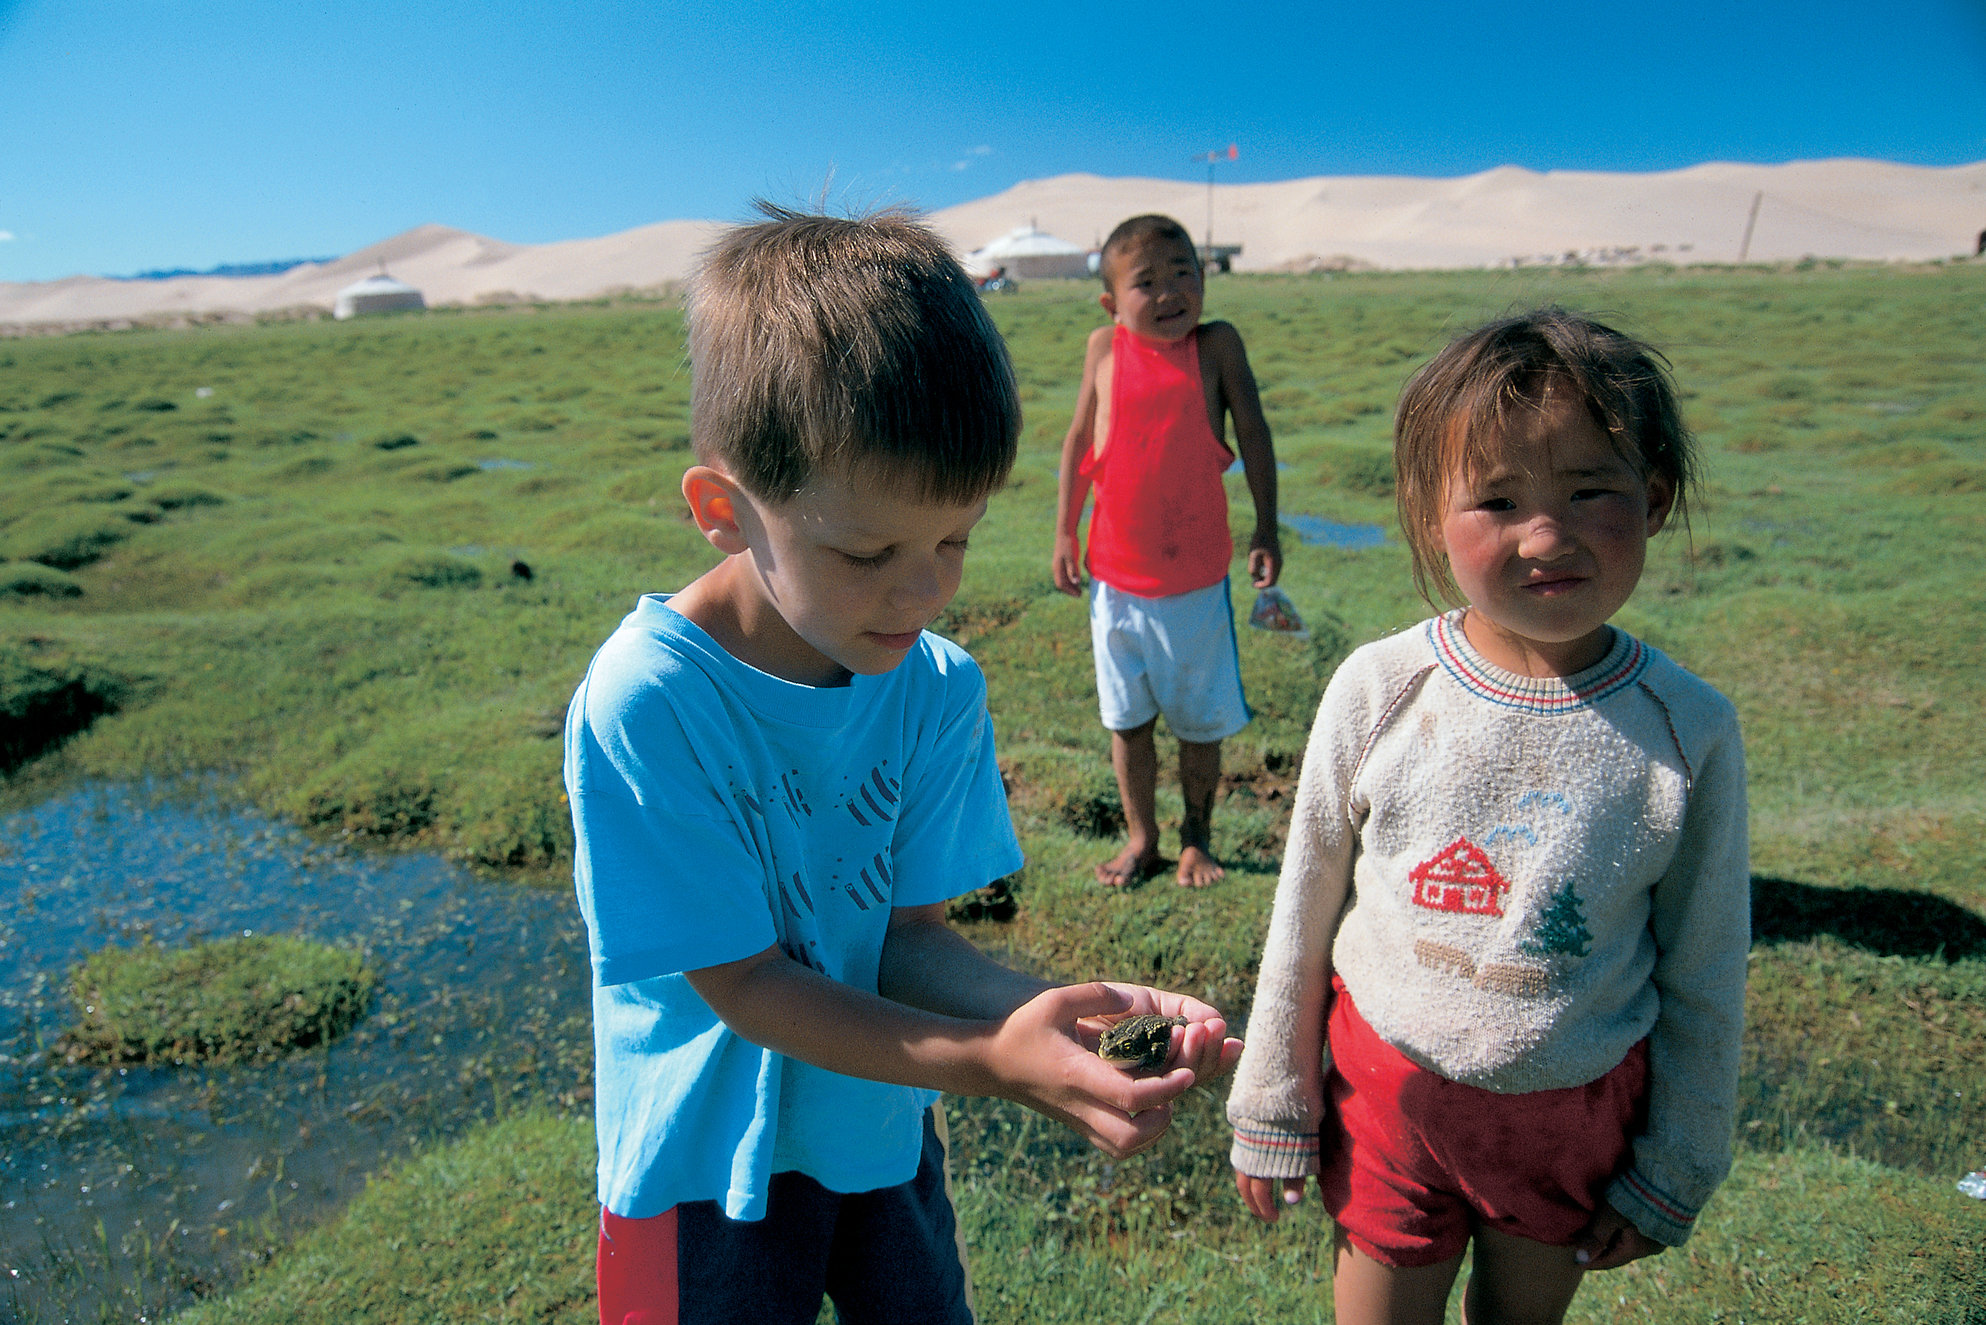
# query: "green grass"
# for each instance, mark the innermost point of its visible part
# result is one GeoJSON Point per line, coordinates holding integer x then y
{"type": "Point", "coordinates": [1803, 1236]}
{"type": "Point", "coordinates": [493, 1229]}
{"type": "Point", "coordinates": [273, 580]}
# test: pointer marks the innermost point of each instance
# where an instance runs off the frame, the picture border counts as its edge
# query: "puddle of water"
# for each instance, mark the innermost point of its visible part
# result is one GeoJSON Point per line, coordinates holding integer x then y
{"type": "Point", "coordinates": [1315, 529]}
{"type": "Point", "coordinates": [503, 464]}
{"type": "Point", "coordinates": [190, 1172]}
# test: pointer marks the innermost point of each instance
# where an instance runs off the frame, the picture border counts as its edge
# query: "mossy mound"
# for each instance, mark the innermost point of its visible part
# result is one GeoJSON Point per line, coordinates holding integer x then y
{"type": "Point", "coordinates": [1366, 470]}
{"type": "Point", "coordinates": [436, 572]}
{"type": "Point", "coordinates": [1094, 808]}
{"type": "Point", "coordinates": [31, 579]}
{"type": "Point", "coordinates": [65, 539]}
{"type": "Point", "coordinates": [224, 1001]}
{"type": "Point", "coordinates": [47, 697]}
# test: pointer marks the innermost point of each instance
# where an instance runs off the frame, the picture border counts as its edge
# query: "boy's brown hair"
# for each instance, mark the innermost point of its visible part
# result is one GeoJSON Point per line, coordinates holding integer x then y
{"type": "Point", "coordinates": [855, 345]}
{"type": "Point", "coordinates": [1454, 414]}
{"type": "Point", "coordinates": [1138, 230]}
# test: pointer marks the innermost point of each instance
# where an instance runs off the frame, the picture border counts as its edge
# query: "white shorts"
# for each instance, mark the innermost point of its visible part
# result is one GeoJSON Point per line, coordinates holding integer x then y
{"type": "Point", "coordinates": [1174, 655]}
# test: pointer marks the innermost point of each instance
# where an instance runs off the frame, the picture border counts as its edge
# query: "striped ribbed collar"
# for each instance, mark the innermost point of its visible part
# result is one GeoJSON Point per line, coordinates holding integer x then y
{"type": "Point", "coordinates": [1622, 667]}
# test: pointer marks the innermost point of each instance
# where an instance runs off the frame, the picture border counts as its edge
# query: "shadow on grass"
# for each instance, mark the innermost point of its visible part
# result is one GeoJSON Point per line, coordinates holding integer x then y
{"type": "Point", "coordinates": [41, 708]}
{"type": "Point", "coordinates": [1890, 922]}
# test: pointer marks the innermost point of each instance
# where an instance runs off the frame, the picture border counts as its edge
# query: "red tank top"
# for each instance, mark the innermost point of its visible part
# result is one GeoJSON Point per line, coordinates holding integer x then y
{"type": "Point", "coordinates": [1160, 525]}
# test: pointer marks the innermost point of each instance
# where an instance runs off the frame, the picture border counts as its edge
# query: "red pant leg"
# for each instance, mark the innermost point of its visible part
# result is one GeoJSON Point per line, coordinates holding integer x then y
{"type": "Point", "coordinates": [637, 1270]}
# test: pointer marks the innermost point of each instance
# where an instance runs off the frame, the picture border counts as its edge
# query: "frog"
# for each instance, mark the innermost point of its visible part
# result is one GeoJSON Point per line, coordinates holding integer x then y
{"type": "Point", "coordinates": [1139, 1043]}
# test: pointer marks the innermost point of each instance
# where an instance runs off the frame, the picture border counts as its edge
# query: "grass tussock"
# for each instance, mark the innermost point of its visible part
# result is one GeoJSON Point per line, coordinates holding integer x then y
{"type": "Point", "coordinates": [47, 695]}
{"type": "Point", "coordinates": [224, 1001]}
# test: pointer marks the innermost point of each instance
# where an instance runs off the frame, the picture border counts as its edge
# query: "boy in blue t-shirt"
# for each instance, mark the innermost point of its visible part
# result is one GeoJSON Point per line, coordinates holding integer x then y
{"type": "Point", "coordinates": [777, 779]}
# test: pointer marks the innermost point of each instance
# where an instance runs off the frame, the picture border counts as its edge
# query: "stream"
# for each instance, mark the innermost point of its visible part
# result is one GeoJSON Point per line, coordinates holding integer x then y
{"type": "Point", "coordinates": [129, 1192]}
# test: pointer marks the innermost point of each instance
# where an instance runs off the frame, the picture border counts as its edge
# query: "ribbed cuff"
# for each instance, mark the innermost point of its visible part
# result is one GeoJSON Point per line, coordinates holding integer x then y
{"type": "Point", "coordinates": [1271, 1152]}
{"type": "Point", "coordinates": [1651, 1209]}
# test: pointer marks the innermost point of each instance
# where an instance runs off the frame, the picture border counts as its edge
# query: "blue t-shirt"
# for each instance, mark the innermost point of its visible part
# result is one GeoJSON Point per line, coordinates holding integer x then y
{"type": "Point", "coordinates": [717, 810]}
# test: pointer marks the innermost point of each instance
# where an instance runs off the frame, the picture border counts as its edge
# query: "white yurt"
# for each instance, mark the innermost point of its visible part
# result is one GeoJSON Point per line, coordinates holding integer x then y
{"type": "Point", "coordinates": [376, 294]}
{"type": "Point", "coordinates": [1029, 254]}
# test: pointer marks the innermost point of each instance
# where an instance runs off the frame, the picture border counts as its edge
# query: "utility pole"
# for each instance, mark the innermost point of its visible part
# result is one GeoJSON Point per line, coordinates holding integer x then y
{"type": "Point", "coordinates": [1745, 248]}
{"type": "Point", "coordinates": [1210, 158]}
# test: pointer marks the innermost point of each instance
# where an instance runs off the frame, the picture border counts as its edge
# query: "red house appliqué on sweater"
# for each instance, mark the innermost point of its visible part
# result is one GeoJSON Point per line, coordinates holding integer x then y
{"type": "Point", "coordinates": [1459, 877]}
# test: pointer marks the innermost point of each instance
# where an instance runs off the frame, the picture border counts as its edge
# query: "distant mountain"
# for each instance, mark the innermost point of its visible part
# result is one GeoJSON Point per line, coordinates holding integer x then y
{"type": "Point", "coordinates": [276, 268]}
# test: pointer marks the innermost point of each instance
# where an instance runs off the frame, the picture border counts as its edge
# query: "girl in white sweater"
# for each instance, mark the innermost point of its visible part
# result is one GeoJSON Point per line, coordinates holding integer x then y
{"type": "Point", "coordinates": [1502, 993]}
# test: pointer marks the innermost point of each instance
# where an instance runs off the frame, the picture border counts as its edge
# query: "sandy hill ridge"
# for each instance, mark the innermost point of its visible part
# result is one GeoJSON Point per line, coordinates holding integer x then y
{"type": "Point", "coordinates": [1868, 210]}
{"type": "Point", "coordinates": [1853, 209]}
{"type": "Point", "coordinates": [448, 266]}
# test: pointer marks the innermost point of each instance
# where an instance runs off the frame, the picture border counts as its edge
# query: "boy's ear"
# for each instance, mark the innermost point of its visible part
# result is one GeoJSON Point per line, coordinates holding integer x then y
{"type": "Point", "coordinates": [714, 497]}
{"type": "Point", "coordinates": [1109, 302]}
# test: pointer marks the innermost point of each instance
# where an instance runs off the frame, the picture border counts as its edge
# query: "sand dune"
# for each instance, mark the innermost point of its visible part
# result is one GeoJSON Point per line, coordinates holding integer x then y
{"type": "Point", "coordinates": [447, 266]}
{"type": "Point", "coordinates": [1852, 209]}
{"type": "Point", "coordinates": [1867, 210]}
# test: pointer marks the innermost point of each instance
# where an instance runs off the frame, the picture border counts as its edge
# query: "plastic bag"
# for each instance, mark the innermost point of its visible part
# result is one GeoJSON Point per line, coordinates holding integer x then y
{"type": "Point", "coordinates": [1274, 611]}
{"type": "Point", "coordinates": [1974, 1185]}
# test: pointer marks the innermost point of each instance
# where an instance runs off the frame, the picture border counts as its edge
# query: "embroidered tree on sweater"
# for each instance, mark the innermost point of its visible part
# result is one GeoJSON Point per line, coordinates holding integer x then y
{"type": "Point", "coordinates": [1561, 927]}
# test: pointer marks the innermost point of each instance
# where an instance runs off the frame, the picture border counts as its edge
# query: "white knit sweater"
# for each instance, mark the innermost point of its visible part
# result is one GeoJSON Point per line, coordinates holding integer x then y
{"type": "Point", "coordinates": [1524, 876]}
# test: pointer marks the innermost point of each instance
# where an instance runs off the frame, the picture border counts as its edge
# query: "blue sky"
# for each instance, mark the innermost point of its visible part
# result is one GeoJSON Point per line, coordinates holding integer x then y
{"type": "Point", "coordinates": [139, 134]}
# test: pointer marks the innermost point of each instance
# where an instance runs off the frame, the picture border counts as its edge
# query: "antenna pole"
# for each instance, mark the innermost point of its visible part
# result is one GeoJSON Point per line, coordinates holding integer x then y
{"type": "Point", "coordinates": [1210, 158]}
{"type": "Point", "coordinates": [1745, 248]}
{"type": "Point", "coordinates": [1210, 202]}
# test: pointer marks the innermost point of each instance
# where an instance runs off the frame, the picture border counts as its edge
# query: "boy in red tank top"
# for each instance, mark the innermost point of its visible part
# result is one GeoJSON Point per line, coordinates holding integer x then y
{"type": "Point", "coordinates": [1149, 435]}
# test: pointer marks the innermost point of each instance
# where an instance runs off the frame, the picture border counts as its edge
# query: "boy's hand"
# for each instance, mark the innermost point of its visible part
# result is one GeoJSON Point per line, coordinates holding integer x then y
{"type": "Point", "coordinates": [1265, 558]}
{"type": "Point", "coordinates": [1044, 1056]}
{"type": "Point", "coordinates": [1068, 567]}
{"type": "Point", "coordinates": [1202, 1044]}
{"type": "Point", "coordinates": [1266, 1197]}
{"type": "Point", "coordinates": [1611, 1241]}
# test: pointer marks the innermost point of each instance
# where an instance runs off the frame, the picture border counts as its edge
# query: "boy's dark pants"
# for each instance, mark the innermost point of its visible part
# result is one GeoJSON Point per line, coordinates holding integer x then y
{"type": "Point", "coordinates": [887, 1257]}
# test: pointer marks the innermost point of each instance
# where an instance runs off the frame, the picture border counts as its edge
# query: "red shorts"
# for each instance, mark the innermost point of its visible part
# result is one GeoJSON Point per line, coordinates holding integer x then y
{"type": "Point", "coordinates": [1414, 1163]}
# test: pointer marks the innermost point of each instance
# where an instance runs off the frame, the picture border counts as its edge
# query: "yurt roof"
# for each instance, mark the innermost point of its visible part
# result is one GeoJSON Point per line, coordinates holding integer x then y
{"type": "Point", "coordinates": [1027, 242]}
{"type": "Point", "coordinates": [380, 284]}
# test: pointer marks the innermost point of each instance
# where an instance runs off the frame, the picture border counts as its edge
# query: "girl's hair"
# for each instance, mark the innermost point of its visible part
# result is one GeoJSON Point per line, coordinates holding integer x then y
{"type": "Point", "coordinates": [1455, 414]}
{"type": "Point", "coordinates": [853, 345]}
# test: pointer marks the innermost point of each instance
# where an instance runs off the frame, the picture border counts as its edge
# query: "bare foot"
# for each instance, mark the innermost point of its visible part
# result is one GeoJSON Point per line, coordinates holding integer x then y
{"type": "Point", "coordinates": [1197, 868]}
{"type": "Point", "coordinates": [1129, 867]}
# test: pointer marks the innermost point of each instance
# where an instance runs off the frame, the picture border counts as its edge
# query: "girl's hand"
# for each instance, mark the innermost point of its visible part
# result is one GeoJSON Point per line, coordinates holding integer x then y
{"type": "Point", "coordinates": [1611, 1241]}
{"type": "Point", "coordinates": [1266, 1197]}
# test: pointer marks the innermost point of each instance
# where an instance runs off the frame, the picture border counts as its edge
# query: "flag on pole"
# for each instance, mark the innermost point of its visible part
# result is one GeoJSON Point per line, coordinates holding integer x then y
{"type": "Point", "coordinates": [1232, 151]}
